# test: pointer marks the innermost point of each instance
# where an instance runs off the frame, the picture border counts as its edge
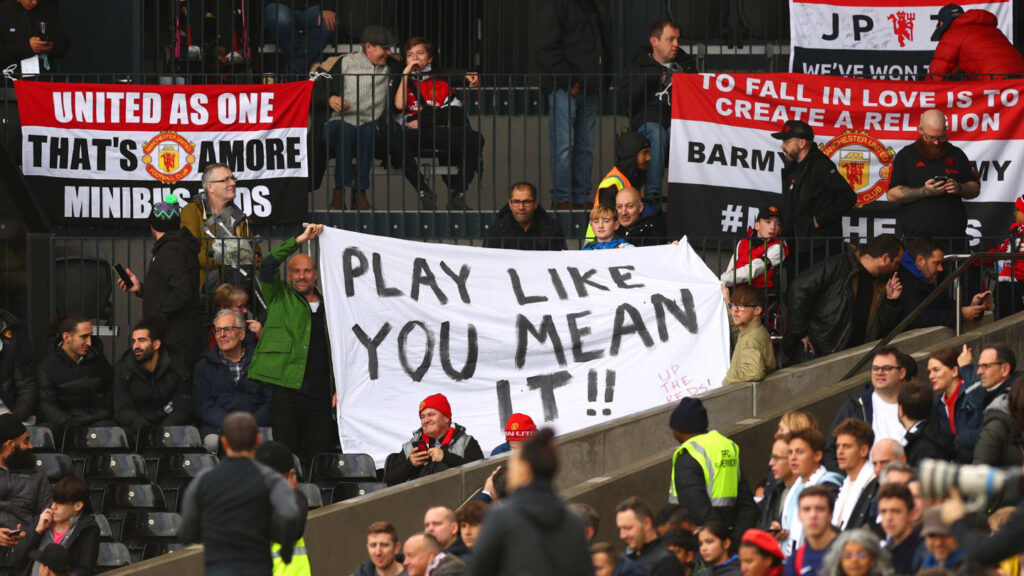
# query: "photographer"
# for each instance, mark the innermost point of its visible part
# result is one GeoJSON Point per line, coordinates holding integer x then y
{"type": "Point", "coordinates": [983, 551]}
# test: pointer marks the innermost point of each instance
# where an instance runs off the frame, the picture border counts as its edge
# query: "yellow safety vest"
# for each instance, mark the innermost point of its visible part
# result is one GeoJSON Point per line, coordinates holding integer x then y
{"type": "Point", "coordinates": [615, 178]}
{"type": "Point", "coordinates": [719, 458]}
{"type": "Point", "coordinates": [299, 565]}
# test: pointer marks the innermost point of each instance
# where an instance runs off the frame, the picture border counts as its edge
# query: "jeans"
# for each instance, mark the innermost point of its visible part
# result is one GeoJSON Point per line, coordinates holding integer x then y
{"type": "Point", "coordinates": [571, 123]}
{"type": "Point", "coordinates": [350, 142]}
{"type": "Point", "coordinates": [659, 137]}
{"type": "Point", "coordinates": [281, 21]}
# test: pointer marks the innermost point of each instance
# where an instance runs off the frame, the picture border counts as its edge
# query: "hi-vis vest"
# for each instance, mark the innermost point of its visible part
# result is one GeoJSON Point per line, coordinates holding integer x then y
{"type": "Point", "coordinates": [299, 565]}
{"type": "Point", "coordinates": [614, 178]}
{"type": "Point", "coordinates": [719, 458]}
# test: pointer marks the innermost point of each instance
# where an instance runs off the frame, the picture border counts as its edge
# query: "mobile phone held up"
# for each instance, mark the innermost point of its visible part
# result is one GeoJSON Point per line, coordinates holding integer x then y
{"type": "Point", "coordinates": [123, 275]}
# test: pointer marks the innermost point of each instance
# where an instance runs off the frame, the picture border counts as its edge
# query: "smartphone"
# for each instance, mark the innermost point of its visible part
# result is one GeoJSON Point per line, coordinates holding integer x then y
{"type": "Point", "coordinates": [940, 180]}
{"type": "Point", "coordinates": [123, 275]}
{"type": "Point", "coordinates": [17, 532]}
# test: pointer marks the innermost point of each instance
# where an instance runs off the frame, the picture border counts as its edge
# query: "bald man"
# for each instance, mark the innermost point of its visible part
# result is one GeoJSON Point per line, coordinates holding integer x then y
{"type": "Point", "coordinates": [293, 354]}
{"type": "Point", "coordinates": [641, 223]}
{"type": "Point", "coordinates": [421, 557]}
{"type": "Point", "coordinates": [930, 180]}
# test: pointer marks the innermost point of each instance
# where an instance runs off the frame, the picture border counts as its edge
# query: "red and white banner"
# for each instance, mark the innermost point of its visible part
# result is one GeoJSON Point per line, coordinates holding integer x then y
{"type": "Point", "coordinates": [873, 38]}
{"type": "Point", "coordinates": [109, 151]}
{"type": "Point", "coordinates": [724, 162]}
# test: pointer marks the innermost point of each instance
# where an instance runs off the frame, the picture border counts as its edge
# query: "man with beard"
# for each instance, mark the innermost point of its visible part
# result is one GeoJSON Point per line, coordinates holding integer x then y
{"type": "Point", "coordinates": [523, 224]}
{"type": "Point", "coordinates": [24, 491]}
{"type": "Point", "coordinates": [294, 353]}
{"type": "Point", "coordinates": [814, 196]}
{"type": "Point", "coordinates": [152, 386]}
{"type": "Point", "coordinates": [930, 180]}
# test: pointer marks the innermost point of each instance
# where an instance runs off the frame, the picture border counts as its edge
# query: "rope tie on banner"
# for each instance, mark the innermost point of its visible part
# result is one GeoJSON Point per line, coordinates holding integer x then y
{"type": "Point", "coordinates": [319, 74]}
{"type": "Point", "coordinates": [9, 72]}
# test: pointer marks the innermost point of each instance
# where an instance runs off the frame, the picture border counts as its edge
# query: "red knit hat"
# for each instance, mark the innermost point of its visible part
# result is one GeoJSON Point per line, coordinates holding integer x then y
{"type": "Point", "coordinates": [1019, 204]}
{"type": "Point", "coordinates": [437, 402]}
{"type": "Point", "coordinates": [519, 427]}
{"type": "Point", "coordinates": [763, 540]}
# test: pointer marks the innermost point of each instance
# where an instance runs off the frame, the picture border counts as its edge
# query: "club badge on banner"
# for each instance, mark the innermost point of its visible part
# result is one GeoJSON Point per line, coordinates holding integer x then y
{"type": "Point", "coordinates": [872, 39]}
{"type": "Point", "coordinates": [570, 338]}
{"type": "Point", "coordinates": [103, 152]}
{"type": "Point", "coordinates": [724, 162]}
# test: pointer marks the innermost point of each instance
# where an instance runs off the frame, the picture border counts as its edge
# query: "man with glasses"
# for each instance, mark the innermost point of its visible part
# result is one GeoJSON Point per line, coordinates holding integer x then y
{"type": "Point", "coordinates": [753, 357]}
{"type": "Point", "coordinates": [877, 404]}
{"type": "Point", "coordinates": [214, 214]}
{"type": "Point", "coordinates": [930, 180]}
{"type": "Point", "coordinates": [220, 384]}
{"type": "Point", "coordinates": [523, 224]}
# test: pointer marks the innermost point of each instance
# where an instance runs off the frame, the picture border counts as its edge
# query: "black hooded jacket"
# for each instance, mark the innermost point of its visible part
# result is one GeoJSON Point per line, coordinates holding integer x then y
{"type": "Point", "coordinates": [74, 394]}
{"type": "Point", "coordinates": [142, 398]}
{"type": "Point", "coordinates": [571, 47]}
{"type": "Point", "coordinates": [929, 440]}
{"type": "Point", "coordinates": [814, 190]}
{"type": "Point", "coordinates": [544, 233]}
{"type": "Point", "coordinates": [18, 388]}
{"type": "Point", "coordinates": [533, 533]}
{"type": "Point", "coordinates": [171, 291]}
{"type": "Point", "coordinates": [647, 86]}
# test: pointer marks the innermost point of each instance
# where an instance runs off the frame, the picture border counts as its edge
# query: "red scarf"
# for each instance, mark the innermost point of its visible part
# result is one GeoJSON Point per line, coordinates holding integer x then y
{"type": "Point", "coordinates": [446, 440]}
{"type": "Point", "coordinates": [950, 400]}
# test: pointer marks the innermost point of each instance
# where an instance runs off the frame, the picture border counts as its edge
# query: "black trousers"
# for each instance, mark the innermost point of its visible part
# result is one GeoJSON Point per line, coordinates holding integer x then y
{"type": "Point", "coordinates": [459, 147]}
{"type": "Point", "coordinates": [303, 423]}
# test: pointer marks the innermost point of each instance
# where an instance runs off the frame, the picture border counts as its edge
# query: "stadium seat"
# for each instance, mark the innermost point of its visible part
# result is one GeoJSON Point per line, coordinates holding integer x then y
{"type": "Point", "coordinates": [268, 433]}
{"type": "Point", "coordinates": [124, 498]}
{"type": "Point", "coordinates": [143, 528]}
{"type": "Point", "coordinates": [81, 441]}
{"type": "Point", "coordinates": [312, 493]}
{"type": "Point", "coordinates": [106, 534]}
{"type": "Point", "coordinates": [346, 490]}
{"type": "Point", "coordinates": [42, 439]}
{"type": "Point", "coordinates": [327, 470]}
{"type": "Point", "coordinates": [298, 467]}
{"type": "Point", "coordinates": [55, 466]}
{"type": "Point", "coordinates": [174, 471]}
{"type": "Point", "coordinates": [159, 548]}
{"type": "Point", "coordinates": [112, 555]}
{"type": "Point", "coordinates": [85, 282]}
{"type": "Point", "coordinates": [156, 440]}
{"type": "Point", "coordinates": [100, 470]}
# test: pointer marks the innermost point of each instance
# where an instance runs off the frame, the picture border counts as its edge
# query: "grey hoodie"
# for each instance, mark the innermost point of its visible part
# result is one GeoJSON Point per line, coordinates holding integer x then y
{"type": "Point", "coordinates": [365, 88]}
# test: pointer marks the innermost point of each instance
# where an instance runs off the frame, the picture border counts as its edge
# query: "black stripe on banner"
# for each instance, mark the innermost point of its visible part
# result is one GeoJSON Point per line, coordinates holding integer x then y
{"type": "Point", "coordinates": [719, 211]}
{"type": "Point", "coordinates": [879, 64]}
{"type": "Point", "coordinates": [77, 201]}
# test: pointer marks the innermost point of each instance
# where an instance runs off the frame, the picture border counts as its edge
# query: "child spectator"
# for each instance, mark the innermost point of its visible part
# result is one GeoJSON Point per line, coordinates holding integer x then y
{"type": "Point", "coordinates": [604, 221]}
{"type": "Point", "coordinates": [759, 254]}
{"type": "Point", "coordinates": [754, 357]}
{"type": "Point", "coordinates": [66, 524]}
{"type": "Point", "coordinates": [470, 517]}
{"type": "Point", "coordinates": [1010, 289]}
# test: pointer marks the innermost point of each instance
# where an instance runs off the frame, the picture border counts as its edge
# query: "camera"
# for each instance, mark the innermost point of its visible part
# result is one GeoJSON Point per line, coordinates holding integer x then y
{"type": "Point", "coordinates": [975, 482]}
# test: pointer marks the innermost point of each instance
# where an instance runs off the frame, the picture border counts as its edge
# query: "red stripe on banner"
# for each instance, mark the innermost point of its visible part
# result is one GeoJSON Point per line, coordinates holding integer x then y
{"type": "Point", "coordinates": [892, 4]}
{"type": "Point", "coordinates": [984, 110]}
{"type": "Point", "coordinates": [207, 108]}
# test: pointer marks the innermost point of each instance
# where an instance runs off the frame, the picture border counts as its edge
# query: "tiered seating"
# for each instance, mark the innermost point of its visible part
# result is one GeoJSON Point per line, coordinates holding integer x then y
{"type": "Point", "coordinates": [112, 555]}
{"type": "Point", "coordinates": [329, 470]}
{"type": "Point", "coordinates": [175, 471]}
{"type": "Point", "coordinates": [147, 532]}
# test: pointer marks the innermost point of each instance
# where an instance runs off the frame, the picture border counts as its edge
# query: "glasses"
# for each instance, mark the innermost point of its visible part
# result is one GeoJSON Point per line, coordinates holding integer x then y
{"type": "Point", "coordinates": [859, 555]}
{"type": "Point", "coordinates": [740, 307]}
{"type": "Point", "coordinates": [775, 458]}
{"type": "Point", "coordinates": [942, 138]}
{"type": "Point", "coordinates": [231, 178]}
{"type": "Point", "coordinates": [988, 365]}
{"type": "Point", "coordinates": [883, 368]}
{"type": "Point", "coordinates": [226, 329]}
{"type": "Point", "coordinates": [522, 202]}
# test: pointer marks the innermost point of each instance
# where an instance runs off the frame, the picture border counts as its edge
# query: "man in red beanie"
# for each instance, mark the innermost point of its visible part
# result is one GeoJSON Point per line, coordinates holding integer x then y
{"type": "Point", "coordinates": [436, 446]}
{"type": "Point", "coordinates": [518, 429]}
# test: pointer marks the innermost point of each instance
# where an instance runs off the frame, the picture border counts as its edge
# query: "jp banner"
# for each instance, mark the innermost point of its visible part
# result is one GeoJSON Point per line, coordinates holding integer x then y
{"type": "Point", "coordinates": [572, 339]}
{"type": "Point", "coordinates": [107, 152]}
{"type": "Point", "coordinates": [724, 162]}
{"type": "Point", "coordinates": [872, 38]}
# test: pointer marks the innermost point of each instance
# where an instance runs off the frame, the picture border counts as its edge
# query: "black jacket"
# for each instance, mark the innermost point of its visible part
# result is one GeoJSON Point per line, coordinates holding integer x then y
{"type": "Point", "coordinates": [814, 189]}
{"type": "Point", "coordinates": [544, 234]}
{"type": "Point", "coordinates": [532, 533]}
{"type": "Point", "coordinates": [140, 397]}
{"type": "Point", "coordinates": [771, 506]}
{"type": "Point", "coordinates": [821, 302]}
{"type": "Point", "coordinates": [864, 512]}
{"type": "Point", "coordinates": [570, 40]}
{"type": "Point", "coordinates": [74, 394]}
{"type": "Point", "coordinates": [929, 440]}
{"type": "Point", "coordinates": [647, 87]}
{"type": "Point", "coordinates": [857, 406]}
{"type": "Point", "coordinates": [656, 560]}
{"type": "Point", "coordinates": [23, 494]}
{"type": "Point", "coordinates": [731, 567]}
{"type": "Point", "coordinates": [942, 310]}
{"type": "Point", "coordinates": [18, 388]}
{"type": "Point", "coordinates": [19, 25]}
{"type": "Point", "coordinates": [650, 230]}
{"type": "Point", "coordinates": [171, 291]}
{"type": "Point", "coordinates": [693, 493]}
{"type": "Point", "coordinates": [82, 544]}
{"type": "Point", "coordinates": [215, 394]}
{"type": "Point", "coordinates": [398, 468]}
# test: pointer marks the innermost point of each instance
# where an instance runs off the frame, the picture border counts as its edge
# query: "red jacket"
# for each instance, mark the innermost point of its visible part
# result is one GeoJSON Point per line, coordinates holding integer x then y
{"type": "Point", "coordinates": [973, 45]}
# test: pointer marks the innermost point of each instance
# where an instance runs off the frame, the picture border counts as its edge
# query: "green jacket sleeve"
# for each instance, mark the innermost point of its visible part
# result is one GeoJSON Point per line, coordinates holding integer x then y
{"type": "Point", "coordinates": [270, 269]}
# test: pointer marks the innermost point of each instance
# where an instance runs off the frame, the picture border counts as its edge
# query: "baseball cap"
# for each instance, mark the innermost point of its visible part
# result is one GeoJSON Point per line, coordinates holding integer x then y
{"type": "Point", "coordinates": [769, 211]}
{"type": "Point", "coordinates": [932, 524]}
{"type": "Point", "coordinates": [53, 556]}
{"type": "Point", "coordinates": [794, 129]}
{"type": "Point", "coordinates": [947, 14]}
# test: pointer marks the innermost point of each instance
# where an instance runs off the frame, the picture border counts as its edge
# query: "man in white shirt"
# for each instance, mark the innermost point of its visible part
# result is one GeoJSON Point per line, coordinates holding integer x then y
{"type": "Point", "coordinates": [853, 444]}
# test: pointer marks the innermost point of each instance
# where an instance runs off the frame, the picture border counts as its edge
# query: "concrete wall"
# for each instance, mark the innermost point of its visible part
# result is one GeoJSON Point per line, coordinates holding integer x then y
{"type": "Point", "coordinates": [603, 464]}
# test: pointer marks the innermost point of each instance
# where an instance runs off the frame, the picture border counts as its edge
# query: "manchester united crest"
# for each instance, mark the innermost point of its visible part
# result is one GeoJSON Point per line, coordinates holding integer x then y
{"type": "Point", "coordinates": [168, 157]}
{"type": "Point", "coordinates": [863, 161]}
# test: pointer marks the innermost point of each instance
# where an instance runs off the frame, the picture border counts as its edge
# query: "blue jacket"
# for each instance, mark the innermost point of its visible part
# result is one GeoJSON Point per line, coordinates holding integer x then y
{"type": "Point", "coordinates": [215, 394]}
{"type": "Point", "coordinates": [627, 567]}
{"type": "Point", "coordinates": [613, 243]}
{"type": "Point", "coordinates": [941, 312]}
{"type": "Point", "coordinates": [969, 414]}
{"type": "Point", "coordinates": [501, 449]}
{"type": "Point", "coordinates": [954, 560]}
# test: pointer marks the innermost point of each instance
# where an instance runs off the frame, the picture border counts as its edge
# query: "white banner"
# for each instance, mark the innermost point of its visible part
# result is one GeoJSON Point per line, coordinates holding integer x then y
{"type": "Point", "coordinates": [572, 338]}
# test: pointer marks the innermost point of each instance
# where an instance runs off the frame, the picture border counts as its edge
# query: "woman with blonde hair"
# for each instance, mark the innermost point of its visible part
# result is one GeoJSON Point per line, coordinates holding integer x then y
{"type": "Point", "coordinates": [795, 421]}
